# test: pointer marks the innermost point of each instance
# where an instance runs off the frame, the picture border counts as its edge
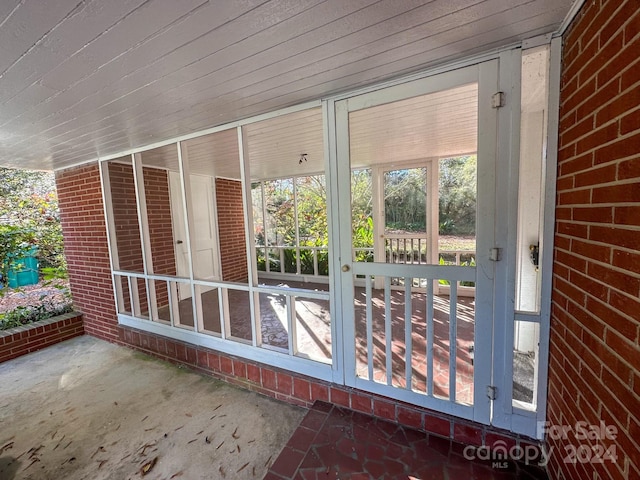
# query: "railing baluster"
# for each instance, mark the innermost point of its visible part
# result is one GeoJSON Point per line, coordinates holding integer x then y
{"type": "Point", "coordinates": [387, 329]}
{"type": "Point", "coordinates": [429, 321]}
{"type": "Point", "coordinates": [174, 304]}
{"type": "Point", "coordinates": [408, 328]}
{"type": "Point", "coordinates": [281, 250]}
{"type": "Point", "coordinates": [369, 325]}
{"type": "Point", "coordinates": [291, 323]}
{"type": "Point", "coordinates": [223, 320]}
{"type": "Point", "coordinates": [316, 270]}
{"type": "Point", "coordinates": [453, 306]}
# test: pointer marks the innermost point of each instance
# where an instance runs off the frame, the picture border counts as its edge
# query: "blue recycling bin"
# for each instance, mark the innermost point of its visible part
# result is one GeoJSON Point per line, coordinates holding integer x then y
{"type": "Point", "coordinates": [23, 270]}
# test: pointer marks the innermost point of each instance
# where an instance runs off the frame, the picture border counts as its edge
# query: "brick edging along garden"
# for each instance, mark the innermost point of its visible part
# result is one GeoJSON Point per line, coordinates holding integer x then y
{"type": "Point", "coordinates": [19, 341]}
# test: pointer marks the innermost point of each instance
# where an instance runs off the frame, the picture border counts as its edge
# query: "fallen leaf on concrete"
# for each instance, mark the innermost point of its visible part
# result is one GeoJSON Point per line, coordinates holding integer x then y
{"type": "Point", "coordinates": [217, 407]}
{"type": "Point", "coordinates": [242, 467]}
{"type": "Point", "coordinates": [144, 448]}
{"type": "Point", "coordinates": [268, 460]}
{"type": "Point", "coordinates": [221, 470]}
{"type": "Point", "coordinates": [102, 462]}
{"type": "Point", "coordinates": [144, 418]}
{"type": "Point", "coordinates": [200, 432]}
{"type": "Point", "coordinates": [188, 415]}
{"type": "Point", "coordinates": [253, 471]}
{"type": "Point", "coordinates": [238, 447]}
{"type": "Point", "coordinates": [218, 447]}
{"type": "Point", "coordinates": [206, 440]}
{"type": "Point", "coordinates": [191, 441]}
{"type": "Point", "coordinates": [100, 449]}
{"type": "Point", "coordinates": [146, 468]}
{"type": "Point", "coordinates": [234, 433]}
{"type": "Point", "coordinates": [177, 474]}
{"type": "Point", "coordinates": [6, 446]}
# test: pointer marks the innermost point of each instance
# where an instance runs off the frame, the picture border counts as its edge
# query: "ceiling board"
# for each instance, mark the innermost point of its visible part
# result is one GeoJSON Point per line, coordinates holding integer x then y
{"type": "Point", "coordinates": [82, 79]}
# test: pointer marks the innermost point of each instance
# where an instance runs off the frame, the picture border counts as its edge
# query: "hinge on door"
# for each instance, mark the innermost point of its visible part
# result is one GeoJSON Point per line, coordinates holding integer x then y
{"type": "Point", "coordinates": [492, 392]}
{"type": "Point", "coordinates": [495, 254]}
{"type": "Point", "coordinates": [498, 100]}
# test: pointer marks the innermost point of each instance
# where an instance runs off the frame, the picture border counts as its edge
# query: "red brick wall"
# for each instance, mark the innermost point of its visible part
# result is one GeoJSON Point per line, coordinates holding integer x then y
{"type": "Point", "coordinates": [30, 338]}
{"type": "Point", "coordinates": [233, 253]}
{"type": "Point", "coordinates": [594, 370]}
{"type": "Point", "coordinates": [85, 247]}
{"type": "Point", "coordinates": [157, 194]}
{"type": "Point", "coordinates": [156, 187]}
{"type": "Point", "coordinates": [125, 217]}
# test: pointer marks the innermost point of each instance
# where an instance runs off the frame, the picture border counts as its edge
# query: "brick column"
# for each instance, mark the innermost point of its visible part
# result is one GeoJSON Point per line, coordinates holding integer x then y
{"type": "Point", "coordinates": [594, 370]}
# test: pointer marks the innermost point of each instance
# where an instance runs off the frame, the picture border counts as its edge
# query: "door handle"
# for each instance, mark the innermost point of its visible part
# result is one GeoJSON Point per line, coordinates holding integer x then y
{"type": "Point", "coordinates": [179, 242]}
{"type": "Point", "coordinates": [346, 268]}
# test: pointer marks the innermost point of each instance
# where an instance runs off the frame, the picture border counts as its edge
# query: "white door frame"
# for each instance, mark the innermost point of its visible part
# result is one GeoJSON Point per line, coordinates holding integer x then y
{"type": "Point", "coordinates": [486, 75]}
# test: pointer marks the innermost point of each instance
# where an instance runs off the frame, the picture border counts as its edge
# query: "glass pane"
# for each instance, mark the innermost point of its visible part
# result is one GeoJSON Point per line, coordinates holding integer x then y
{"type": "Point", "coordinates": [210, 309]}
{"type": "Point", "coordinates": [159, 168]}
{"type": "Point", "coordinates": [273, 315]}
{"type": "Point", "coordinates": [239, 308]}
{"type": "Point", "coordinates": [280, 212]}
{"type": "Point", "coordinates": [313, 328]}
{"type": "Point", "coordinates": [217, 229]}
{"type": "Point", "coordinates": [362, 215]}
{"type": "Point", "coordinates": [285, 157]}
{"type": "Point", "coordinates": [457, 180]}
{"type": "Point", "coordinates": [164, 310]}
{"type": "Point", "coordinates": [525, 363]}
{"type": "Point", "coordinates": [533, 131]}
{"type": "Point", "coordinates": [140, 298]}
{"type": "Point", "coordinates": [402, 199]}
{"type": "Point", "coordinates": [405, 197]}
{"type": "Point", "coordinates": [124, 302]}
{"type": "Point", "coordinates": [125, 215]}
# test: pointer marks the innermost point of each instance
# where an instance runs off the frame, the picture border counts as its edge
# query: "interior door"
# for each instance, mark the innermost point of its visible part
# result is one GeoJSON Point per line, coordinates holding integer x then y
{"type": "Point", "coordinates": [179, 235]}
{"type": "Point", "coordinates": [205, 241]}
{"type": "Point", "coordinates": [402, 338]}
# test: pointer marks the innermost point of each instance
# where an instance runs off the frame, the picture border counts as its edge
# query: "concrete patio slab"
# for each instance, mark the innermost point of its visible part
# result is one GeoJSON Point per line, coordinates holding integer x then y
{"type": "Point", "coordinates": [88, 409]}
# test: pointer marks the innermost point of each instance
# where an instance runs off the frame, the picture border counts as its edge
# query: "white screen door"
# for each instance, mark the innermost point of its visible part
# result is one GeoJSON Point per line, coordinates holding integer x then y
{"type": "Point", "coordinates": [416, 194]}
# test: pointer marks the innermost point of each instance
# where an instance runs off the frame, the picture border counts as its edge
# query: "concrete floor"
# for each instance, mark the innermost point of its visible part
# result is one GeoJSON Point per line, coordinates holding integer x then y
{"type": "Point", "coordinates": [89, 409]}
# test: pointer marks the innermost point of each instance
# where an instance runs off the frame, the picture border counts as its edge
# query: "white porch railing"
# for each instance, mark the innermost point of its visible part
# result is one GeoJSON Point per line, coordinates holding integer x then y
{"type": "Point", "coordinates": [406, 248]}
{"type": "Point", "coordinates": [298, 265]}
{"type": "Point", "coordinates": [402, 249]}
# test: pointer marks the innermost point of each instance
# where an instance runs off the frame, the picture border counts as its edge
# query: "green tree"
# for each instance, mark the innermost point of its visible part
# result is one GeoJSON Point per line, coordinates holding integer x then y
{"type": "Point", "coordinates": [28, 202]}
{"type": "Point", "coordinates": [457, 196]}
{"type": "Point", "coordinates": [405, 196]}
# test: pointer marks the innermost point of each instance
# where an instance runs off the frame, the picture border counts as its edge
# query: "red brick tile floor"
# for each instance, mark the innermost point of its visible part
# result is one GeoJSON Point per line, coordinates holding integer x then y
{"type": "Point", "coordinates": [314, 332]}
{"type": "Point", "coordinates": [332, 442]}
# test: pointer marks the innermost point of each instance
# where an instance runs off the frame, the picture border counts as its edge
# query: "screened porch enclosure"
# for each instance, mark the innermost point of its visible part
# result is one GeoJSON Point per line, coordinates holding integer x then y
{"type": "Point", "coordinates": [183, 260]}
{"type": "Point", "coordinates": [349, 241]}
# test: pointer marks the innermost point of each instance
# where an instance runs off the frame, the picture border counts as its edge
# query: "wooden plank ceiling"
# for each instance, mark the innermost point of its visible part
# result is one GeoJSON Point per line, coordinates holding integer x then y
{"type": "Point", "coordinates": [86, 78]}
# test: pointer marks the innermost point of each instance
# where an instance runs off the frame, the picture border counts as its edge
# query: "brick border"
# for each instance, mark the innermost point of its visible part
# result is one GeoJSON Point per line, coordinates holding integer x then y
{"type": "Point", "coordinates": [303, 391]}
{"type": "Point", "coordinates": [19, 341]}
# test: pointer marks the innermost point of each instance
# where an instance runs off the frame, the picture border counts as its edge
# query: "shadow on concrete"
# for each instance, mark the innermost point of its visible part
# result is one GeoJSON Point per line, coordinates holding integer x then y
{"type": "Point", "coordinates": [9, 467]}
